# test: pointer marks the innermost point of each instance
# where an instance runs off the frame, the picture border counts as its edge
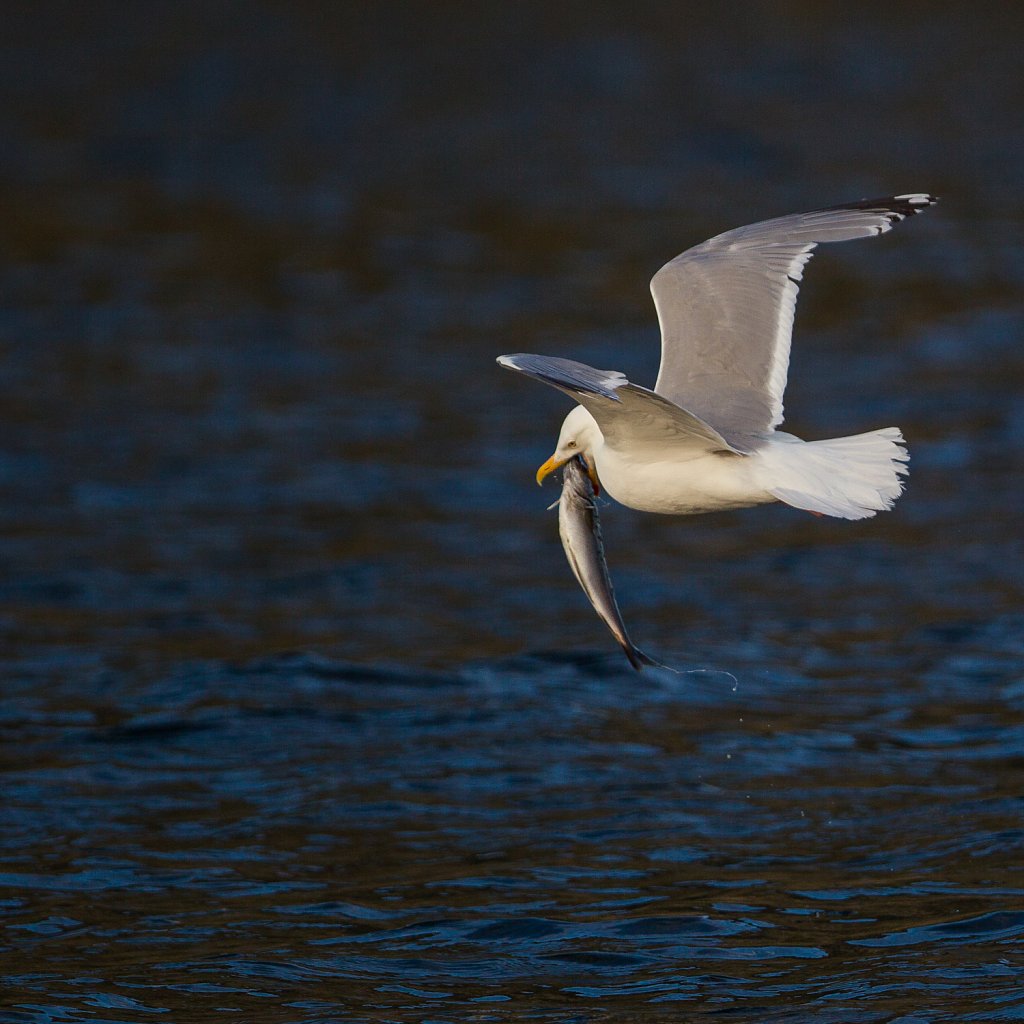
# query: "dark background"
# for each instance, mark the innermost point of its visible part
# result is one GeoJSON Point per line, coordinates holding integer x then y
{"type": "Point", "coordinates": [256, 262]}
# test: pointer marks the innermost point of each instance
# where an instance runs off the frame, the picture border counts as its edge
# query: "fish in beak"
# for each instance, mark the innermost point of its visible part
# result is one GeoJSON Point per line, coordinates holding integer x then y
{"type": "Point", "coordinates": [555, 463]}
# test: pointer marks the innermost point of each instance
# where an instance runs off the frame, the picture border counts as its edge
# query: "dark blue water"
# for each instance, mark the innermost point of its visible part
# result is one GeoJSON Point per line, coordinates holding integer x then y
{"type": "Point", "coordinates": [304, 718]}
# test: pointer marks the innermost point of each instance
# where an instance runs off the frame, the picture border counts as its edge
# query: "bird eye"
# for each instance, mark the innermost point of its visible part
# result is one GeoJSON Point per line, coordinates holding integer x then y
{"type": "Point", "coordinates": [571, 444]}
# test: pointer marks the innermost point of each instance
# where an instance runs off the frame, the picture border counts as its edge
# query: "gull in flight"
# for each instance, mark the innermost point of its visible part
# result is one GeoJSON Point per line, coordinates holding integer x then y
{"type": "Point", "coordinates": [707, 438]}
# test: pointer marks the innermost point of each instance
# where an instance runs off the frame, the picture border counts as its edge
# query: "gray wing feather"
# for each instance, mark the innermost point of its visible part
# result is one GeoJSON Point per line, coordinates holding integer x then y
{"type": "Point", "coordinates": [630, 417]}
{"type": "Point", "coordinates": [567, 375]}
{"type": "Point", "coordinates": [726, 310]}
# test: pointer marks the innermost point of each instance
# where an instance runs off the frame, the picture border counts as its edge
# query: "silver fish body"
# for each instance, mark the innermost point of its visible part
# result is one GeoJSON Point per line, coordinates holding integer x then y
{"type": "Point", "coordinates": [579, 527]}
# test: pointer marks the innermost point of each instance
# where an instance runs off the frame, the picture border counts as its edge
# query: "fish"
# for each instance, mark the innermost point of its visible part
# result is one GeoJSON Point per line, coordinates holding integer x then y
{"type": "Point", "coordinates": [579, 527]}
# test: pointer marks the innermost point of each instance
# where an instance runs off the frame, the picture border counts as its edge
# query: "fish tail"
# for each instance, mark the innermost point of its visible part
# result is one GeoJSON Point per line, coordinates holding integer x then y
{"type": "Point", "coordinates": [638, 659]}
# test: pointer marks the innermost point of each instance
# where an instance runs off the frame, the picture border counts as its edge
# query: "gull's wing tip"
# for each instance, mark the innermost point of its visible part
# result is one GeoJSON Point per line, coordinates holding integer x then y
{"type": "Point", "coordinates": [911, 203]}
{"type": "Point", "coordinates": [918, 200]}
{"type": "Point", "coordinates": [895, 208]}
{"type": "Point", "coordinates": [566, 374]}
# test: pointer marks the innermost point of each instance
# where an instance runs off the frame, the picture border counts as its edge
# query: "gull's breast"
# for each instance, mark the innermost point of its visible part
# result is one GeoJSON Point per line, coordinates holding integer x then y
{"type": "Point", "coordinates": [708, 483]}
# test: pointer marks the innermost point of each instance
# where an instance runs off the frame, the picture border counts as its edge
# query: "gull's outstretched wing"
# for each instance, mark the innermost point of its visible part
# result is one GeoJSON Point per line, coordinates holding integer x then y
{"type": "Point", "coordinates": [631, 418]}
{"type": "Point", "coordinates": [726, 310]}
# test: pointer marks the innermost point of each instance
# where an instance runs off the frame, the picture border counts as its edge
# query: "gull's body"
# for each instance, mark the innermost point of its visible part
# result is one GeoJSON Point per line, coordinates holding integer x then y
{"type": "Point", "coordinates": [848, 477]}
{"type": "Point", "coordinates": [706, 438]}
{"type": "Point", "coordinates": [709, 482]}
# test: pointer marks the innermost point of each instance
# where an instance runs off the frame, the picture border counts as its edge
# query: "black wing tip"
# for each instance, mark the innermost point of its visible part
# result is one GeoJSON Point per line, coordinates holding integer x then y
{"type": "Point", "coordinates": [896, 208]}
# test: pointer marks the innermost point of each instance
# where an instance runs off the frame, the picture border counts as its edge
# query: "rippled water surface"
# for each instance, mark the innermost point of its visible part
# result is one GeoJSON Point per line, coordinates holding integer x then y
{"type": "Point", "coordinates": [304, 718]}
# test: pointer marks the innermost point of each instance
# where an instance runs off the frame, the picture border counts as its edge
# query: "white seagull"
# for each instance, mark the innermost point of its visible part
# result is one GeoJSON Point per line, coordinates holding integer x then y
{"type": "Point", "coordinates": [707, 438]}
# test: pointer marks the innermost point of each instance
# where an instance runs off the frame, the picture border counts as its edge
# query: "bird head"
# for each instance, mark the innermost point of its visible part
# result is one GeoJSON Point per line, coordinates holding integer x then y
{"type": "Point", "coordinates": [579, 436]}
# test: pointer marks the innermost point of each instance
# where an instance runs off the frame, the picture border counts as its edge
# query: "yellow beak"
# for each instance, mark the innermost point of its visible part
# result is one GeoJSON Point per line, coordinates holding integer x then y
{"type": "Point", "coordinates": [548, 468]}
{"type": "Point", "coordinates": [552, 464]}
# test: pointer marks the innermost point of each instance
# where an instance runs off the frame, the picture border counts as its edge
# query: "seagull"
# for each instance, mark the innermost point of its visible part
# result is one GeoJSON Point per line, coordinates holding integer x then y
{"type": "Point", "coordinates": [707, 438]}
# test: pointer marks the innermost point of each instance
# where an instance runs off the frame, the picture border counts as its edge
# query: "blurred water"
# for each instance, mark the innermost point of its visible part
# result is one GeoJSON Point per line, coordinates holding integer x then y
{"type": "Point", "coordinates": [304, 717]}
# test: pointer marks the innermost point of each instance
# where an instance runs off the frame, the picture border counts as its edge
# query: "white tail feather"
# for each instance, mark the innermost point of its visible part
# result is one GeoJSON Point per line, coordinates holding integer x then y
{"type": "Point", "coordinates": [847, 477]}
